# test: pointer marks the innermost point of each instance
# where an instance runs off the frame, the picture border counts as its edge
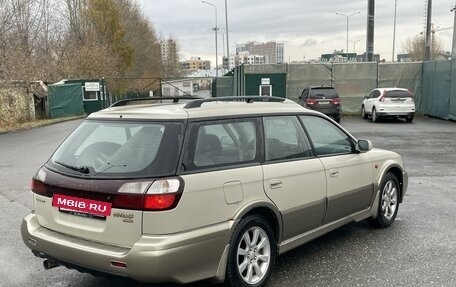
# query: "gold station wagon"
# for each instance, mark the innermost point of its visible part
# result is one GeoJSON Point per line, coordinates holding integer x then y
{"type": "Point", "coordinates": [185, 189]}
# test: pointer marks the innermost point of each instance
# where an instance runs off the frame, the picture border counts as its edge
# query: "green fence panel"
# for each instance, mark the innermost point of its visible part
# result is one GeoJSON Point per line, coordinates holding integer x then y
{"type": "Point", "coordinates": [224, 87]}
{"type": "Point", "coordinates": [353, 81]}
{"type": "Point", "coordinates": [452, 105]}
{"type": "Point", "coordinates": [402, 75]}
{"type": "Point", "coordinates": [437, 89]}
{"type": "Point", "coordinates": [302, 76]}
{"type": "Point", "coordinates": [65, 100]}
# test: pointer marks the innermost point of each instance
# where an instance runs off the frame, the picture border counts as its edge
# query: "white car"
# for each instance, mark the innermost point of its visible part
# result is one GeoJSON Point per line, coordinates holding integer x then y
{"type": "Point", "coordinates": [387, 102]}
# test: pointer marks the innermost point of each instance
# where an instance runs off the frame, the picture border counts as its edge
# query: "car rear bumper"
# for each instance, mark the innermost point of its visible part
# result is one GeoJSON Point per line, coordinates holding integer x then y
{"type": "Point", "coordinates": [385, 110]}
{"type": "Point", "coordinates": [395, 113]}
{"type": "Point", "coordinates": [326, 109]}
{"type": "Point", "coordinates": [180, 258]}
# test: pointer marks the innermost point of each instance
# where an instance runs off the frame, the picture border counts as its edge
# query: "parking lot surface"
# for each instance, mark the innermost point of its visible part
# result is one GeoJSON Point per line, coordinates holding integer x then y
{"type": "Point", "coordinates": [418, 250]}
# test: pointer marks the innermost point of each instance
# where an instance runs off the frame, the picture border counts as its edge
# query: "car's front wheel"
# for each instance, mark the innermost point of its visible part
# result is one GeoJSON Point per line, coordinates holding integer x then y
{"type": "Point", "coordinates": [388, 203]}
{"type": "Point", "coordinates": [252, 254]}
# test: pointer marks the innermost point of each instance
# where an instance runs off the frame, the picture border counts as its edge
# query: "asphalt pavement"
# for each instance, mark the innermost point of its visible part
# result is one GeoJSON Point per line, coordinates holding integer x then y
{"type": "Point", "coordinates": [419, 249]}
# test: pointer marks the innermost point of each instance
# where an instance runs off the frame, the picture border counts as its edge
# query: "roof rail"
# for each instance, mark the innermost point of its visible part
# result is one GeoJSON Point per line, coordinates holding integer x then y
{"type": "Point", "coordinates": [174, 99]}
{"type": "Point", "coordinates": [249, 99]}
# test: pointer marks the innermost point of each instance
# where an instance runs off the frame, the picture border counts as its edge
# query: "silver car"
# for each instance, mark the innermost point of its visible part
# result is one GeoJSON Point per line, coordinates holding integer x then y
{"type": "Point", "coordinates": [181, 189]}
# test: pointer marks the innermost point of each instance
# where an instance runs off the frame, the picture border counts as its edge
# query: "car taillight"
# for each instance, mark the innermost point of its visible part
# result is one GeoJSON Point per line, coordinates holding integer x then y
{"type": "Point", "coordinates": [335, 101]}
{"type": "Point", "coordinates": [163, 194]}
{"type": "Point", "coordinates": [311, 102]}
{"type": "Point", "coordinates": [38, 185]}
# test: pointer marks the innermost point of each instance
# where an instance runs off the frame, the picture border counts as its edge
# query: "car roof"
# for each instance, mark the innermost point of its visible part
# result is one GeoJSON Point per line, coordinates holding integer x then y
{"type": "Point", "coordinates": [210, 109]}
{"type": "Point", "coordinates": [321, 87]}
{"type": "Point", "coordinates": [392, 89]}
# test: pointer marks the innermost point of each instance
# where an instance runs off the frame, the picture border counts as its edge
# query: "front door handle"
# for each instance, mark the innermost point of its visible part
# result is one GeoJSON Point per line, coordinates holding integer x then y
{"type": "Point", "coordinates": [275, 183]}
{"type": "Point", "coordinates": [333, 173]}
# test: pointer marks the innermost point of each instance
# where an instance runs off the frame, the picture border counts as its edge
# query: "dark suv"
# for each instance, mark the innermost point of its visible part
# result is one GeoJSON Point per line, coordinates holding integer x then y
{"type": "Point", "coordinates": [324, 99]}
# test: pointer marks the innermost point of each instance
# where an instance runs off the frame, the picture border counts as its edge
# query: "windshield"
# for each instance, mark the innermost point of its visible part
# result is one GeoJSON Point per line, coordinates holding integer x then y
{"type": "Point", "coordinates": [120, 148]}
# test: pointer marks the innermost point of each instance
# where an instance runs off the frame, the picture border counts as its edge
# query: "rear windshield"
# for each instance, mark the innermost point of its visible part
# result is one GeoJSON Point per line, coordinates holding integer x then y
{"type": "Point", "coordinates": [120, 149]}
{"type": "Point", "coordinates": [398, 94]}
{"type": "Point", "coordinates": [319, 93]}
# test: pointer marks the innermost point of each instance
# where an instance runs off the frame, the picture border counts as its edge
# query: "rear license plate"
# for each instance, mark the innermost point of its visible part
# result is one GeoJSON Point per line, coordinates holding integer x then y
{"type": "Point", "coordinates": [323, 102]}
{"type": "Point", "coordinates": [83, 205]}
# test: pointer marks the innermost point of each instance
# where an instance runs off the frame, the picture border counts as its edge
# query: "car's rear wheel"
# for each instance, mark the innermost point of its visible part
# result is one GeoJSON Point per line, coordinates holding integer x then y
{"type": "Point", "coordinates": [363, 112]}
{"type": "Point", "coordinates": [337, 118]}
{"type": "Point", "coordinates": [409, 119]}
{"type": "Point", "coordinates": [388, 203]}
{"type": "Point", "coordinates": [252, 254]}
{"type": "Point", "coordinates": [374, 115]}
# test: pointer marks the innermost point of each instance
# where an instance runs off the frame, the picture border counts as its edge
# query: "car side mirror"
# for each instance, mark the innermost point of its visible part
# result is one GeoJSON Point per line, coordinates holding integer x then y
{"type": "Point", "coordinates": [364, 145]}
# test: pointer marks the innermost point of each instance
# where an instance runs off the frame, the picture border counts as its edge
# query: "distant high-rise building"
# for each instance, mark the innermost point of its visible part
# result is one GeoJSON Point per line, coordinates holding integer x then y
{"type": "Point", "coordinates": [272, 51]}
{"type": "Point", "coordinates": [169, 56]}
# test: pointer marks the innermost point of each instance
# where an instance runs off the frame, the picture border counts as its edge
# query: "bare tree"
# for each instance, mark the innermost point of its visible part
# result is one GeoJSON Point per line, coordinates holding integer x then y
{"type": "Point", "coordinates": [415, 47]}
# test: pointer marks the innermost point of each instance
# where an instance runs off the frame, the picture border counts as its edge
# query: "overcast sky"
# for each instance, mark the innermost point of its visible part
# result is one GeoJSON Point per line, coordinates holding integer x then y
{"type": "Point", "coordinates": [308, 28]}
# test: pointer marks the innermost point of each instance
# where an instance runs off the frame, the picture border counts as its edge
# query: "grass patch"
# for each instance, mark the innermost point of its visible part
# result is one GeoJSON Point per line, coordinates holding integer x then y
{"type": "Point", "coordinates": [11, 127]}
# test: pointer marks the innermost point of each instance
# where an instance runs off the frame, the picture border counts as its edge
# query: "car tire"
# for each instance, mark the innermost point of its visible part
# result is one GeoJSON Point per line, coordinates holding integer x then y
{"type": "Point", "coordinates": [388, 204]}
{"type": "Point", "coordinates": [337, 118]}
{"type": "Point", "coordinates": [252, 254]}
{"type": "Point", "coordinates": [374, 115]}
{"type": "Point", "coordinates": [409, 119]}
{"type": "Point", "coordinates": [363, 112]}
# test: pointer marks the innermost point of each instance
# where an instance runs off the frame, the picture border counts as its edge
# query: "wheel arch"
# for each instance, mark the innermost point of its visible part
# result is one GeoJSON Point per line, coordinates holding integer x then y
{"type": "Point", "coordinates": [268, 211]}
{"type": "Point", "coordinates": [398, 172]}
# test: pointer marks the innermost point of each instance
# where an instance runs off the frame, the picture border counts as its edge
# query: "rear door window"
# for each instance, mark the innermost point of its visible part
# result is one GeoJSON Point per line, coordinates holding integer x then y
{"type": "Point", "coordinates": [222, 143]}
{"type": "Point", "coordinates": [285, 139]}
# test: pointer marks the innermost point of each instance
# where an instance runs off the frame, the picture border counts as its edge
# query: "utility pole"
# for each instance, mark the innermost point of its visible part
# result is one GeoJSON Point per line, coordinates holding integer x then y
{"type": "Point", "coordinates": [394, 29]}
{"type": "Point", "coordinates": [453, 47]}
{"type": "Point", "coordinates": [370, 31]}
{"type": "Point", "coordinates": [427, 44]}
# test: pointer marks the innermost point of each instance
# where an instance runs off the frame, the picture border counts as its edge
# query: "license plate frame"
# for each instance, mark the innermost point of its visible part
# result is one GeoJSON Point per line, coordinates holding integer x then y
{"type": "Point", "coordinates": [76, 205]}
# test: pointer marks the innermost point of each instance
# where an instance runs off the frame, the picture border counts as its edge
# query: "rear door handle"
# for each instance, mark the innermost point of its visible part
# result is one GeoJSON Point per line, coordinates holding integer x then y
{"type": "Point", "coordinates": [275, 183]}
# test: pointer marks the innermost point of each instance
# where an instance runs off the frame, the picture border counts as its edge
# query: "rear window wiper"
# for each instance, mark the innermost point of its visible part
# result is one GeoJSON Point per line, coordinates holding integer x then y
{"type": "Point", "coordinates": [81, 169]}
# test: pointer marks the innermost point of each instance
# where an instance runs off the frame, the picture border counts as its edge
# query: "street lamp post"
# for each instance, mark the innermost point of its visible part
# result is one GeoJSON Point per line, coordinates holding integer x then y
{"type": "Point", "coordinates": [223, 41]}
{"type": "Point", "coordinates": [348, 19]}
{"type": "Point", "coordinates": [215, 32]}
{"type": "Point", "coordinates": [354, 45]}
